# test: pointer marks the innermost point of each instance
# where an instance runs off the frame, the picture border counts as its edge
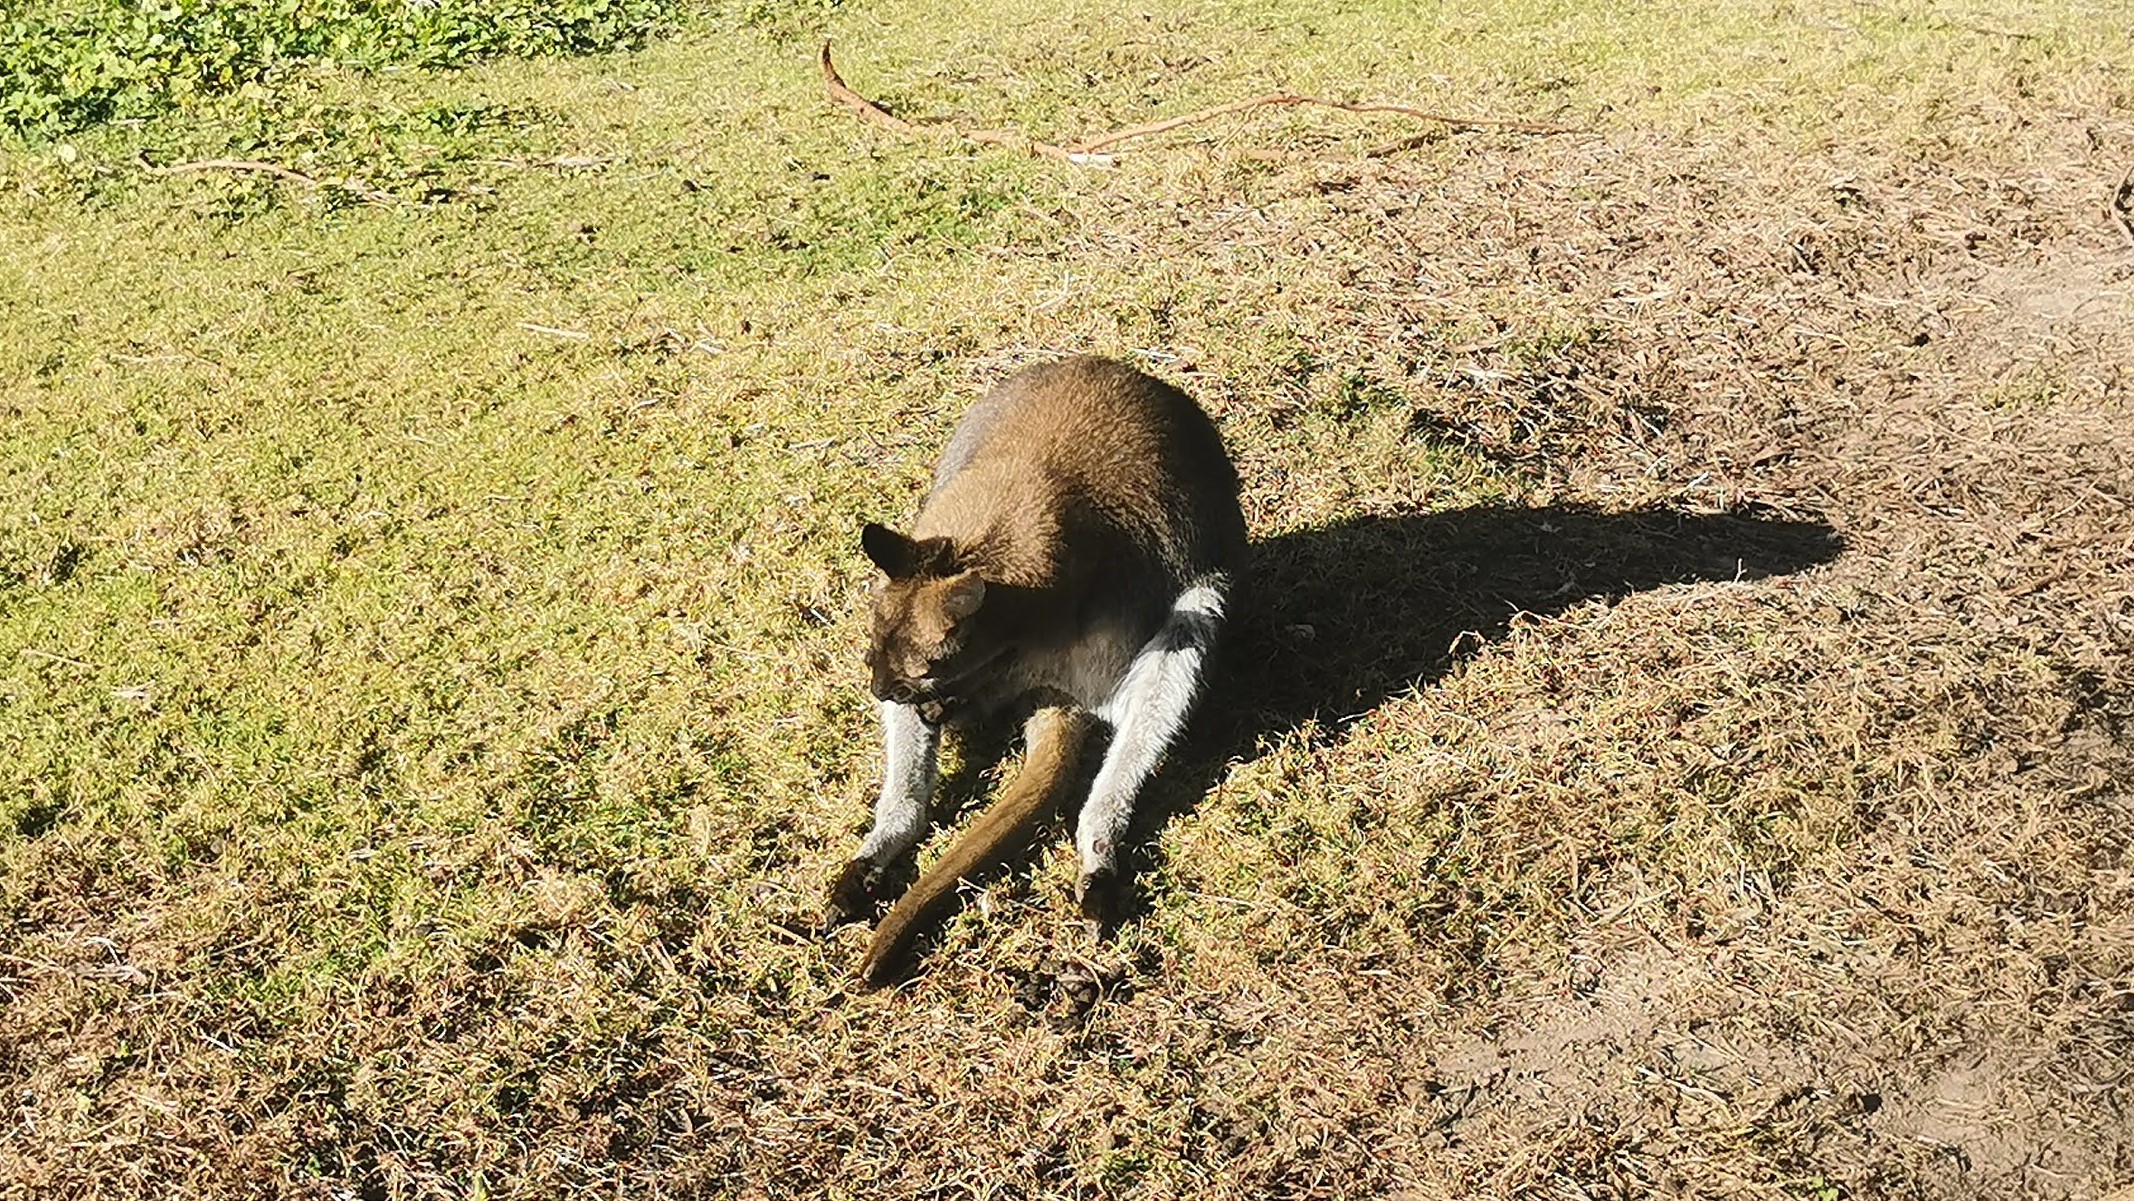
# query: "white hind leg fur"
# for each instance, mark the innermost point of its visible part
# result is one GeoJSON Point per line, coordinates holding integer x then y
{"type": "Point", "coordinates": [1146, 712]}
{"type": "Point", "coordinates": [910, 752]}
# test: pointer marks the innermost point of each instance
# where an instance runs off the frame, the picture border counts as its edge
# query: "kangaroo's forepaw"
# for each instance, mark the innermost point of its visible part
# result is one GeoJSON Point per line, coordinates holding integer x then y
{"type": "Point", "coordinates": [851, 895]}
{"type": "Point", "coordinates": [1099, 895]}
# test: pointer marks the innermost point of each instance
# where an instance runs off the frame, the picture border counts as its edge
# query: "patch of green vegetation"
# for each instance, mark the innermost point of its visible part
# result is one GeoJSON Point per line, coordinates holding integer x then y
{"type": "Point", "coordinates": [68, 65]}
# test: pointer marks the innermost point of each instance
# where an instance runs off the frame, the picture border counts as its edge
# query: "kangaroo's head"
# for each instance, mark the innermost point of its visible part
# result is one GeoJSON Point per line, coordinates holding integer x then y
{"type": "Point", "coordinates": [927, 644]}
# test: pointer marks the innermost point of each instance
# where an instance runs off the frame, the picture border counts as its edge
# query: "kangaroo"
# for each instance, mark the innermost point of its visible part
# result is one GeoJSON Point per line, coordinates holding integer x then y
{"type": "Point", "coordinates": [1076, 552]}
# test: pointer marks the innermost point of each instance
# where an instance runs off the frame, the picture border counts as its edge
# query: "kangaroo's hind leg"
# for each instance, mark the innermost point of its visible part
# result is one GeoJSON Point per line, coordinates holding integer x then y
{"type": "Point", "coordinates": [1051, 764]}
{"type": "Point", "coordinates": [1146, 713]}
{"type": "Point", "coordinates": [911, 750]}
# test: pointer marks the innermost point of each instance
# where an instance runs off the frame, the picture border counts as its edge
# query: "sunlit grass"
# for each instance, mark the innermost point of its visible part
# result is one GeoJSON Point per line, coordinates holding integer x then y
{"type": "Point", "coordinates": [429, 614]}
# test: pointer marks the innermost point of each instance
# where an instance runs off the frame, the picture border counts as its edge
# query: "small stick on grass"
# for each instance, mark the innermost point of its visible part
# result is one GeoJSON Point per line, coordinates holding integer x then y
{"type": "Point", "coordinates": [868, 110]}
{"type": "Point", "coordinates": [33, 653]}
{"type": "Point", "coordinates": [1090, 151]}
{"type": "Point", "coordinates": [255, 166]}
{"type": "Point", "coordinates": [1991, 32]}
{"type": "Point", "coordinates": [555, 331]}
{"type": "Point", "coordinates": [1292, 99]}
{"type": "Point", "coordinates": [2120, 208]}
{"type": "Point", "coordinates": [233, 164]}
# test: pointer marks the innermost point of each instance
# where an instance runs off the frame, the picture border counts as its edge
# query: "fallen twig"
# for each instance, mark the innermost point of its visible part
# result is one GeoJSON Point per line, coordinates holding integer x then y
{"type": "Point", "coordinates": [1990, 31]}
{"type": "Point", "coordinates": [1091, 151]}
{"type": "Point", "coordinates": [49, 657]}
{"type": "Point", "coordinates": [568, 335]}
{"type": "Point", "coordinates": [869, 110]}
{"type": "Point", "coordinates": [233, 164]}
{"type": "Point", "coordinates": [2120, 207]}
{"type": "Point", "coordinates": [264, 168]}
{"type": "Point", "coordinates": [561, 162]}
{"type": "Point", "coordinates": [1291, 99]}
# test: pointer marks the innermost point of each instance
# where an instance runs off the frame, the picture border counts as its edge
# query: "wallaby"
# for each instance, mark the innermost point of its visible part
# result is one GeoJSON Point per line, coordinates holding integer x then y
{"type": "Point", "coordinates": [1076, 551]}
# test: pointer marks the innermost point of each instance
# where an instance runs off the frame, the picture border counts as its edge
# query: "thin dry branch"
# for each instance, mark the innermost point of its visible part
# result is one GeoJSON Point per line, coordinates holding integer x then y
{"type": "Point", "coordinates": [870, 111]}
{"type": "Point", "coordinates": [263, 168]}
{"type": "Point", "coordinates": [2120, 207]}
{"type": "Point", "coordinates": [33, 653]}
{"type": "Point", "coordinates": [1090, 151]}
{"type": "Point", "coordinates": [233, 164]}
{"type": "Point", "coordinates": [553, 331]}
{"type": "Point", "coordinates": [1291, 99]}
{"type": "Point", "coordinates": [843, 94]}
{"type": "Point", "coordinates": [1990, 31]}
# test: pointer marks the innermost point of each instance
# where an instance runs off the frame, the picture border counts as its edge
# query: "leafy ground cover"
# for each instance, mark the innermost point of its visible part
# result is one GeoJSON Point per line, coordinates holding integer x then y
{"type": "Point", "coordinates": [1679, 743]}
{"type": "Point", "coordinates": [65, 66]}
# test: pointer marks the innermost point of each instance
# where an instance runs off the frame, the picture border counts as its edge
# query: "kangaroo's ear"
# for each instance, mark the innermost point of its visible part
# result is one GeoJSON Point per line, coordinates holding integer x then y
{"type": "Point", "coordinates": [896, 555]}
{"type": "Point", "coordinates": [961, 595]}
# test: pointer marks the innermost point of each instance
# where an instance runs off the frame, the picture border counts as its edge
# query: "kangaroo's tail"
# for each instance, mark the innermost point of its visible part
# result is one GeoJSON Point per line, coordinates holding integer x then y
{"type": "Point", "coordinates": [1056, 738]}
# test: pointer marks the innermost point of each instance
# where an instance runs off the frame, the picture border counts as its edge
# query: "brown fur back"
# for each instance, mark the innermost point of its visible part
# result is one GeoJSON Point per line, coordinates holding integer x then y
{"type": "Point", "coordinates": [1086, 496]}
{"type": "Point", "coordinates": [1070, 461]}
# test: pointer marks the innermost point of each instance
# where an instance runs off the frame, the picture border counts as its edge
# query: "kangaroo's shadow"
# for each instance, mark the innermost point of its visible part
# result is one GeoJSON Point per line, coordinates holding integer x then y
{"type": "Point", "coordinates": [1335, 620]}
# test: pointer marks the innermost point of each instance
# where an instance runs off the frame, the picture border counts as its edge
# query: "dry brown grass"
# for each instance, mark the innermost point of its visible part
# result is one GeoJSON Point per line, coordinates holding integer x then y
{"type": "Point", "coordinates": [1812, 885]}
{"type": "Point", "coordinates": [1815, 886]}
{"type": "Point", "coordinates": [1681, 743]}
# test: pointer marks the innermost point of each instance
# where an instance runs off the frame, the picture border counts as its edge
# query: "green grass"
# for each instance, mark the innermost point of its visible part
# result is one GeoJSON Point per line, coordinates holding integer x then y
{"type": "Point", "coordinates": [429, 608]}
{"type": "Point", "coordinates": [69, 66]}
